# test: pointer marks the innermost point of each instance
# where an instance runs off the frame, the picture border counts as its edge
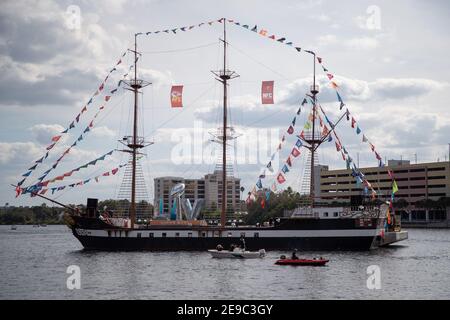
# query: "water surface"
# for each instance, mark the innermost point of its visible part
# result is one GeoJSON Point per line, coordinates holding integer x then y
{"type": "Point", "coordinates": [34, 261]}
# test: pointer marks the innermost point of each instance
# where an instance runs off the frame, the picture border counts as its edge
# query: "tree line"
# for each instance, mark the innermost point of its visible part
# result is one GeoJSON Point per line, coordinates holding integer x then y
{"type": "Point", "coordinates": [44, 214]}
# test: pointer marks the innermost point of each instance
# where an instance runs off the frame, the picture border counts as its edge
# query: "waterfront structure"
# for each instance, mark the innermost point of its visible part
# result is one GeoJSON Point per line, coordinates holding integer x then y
{"type": "Point", "coordinates": [417, 184]}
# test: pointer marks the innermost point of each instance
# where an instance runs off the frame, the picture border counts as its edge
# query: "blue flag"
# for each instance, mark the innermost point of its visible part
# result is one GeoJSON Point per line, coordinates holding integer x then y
{"type": "Point", "coordinates": [259, 184]}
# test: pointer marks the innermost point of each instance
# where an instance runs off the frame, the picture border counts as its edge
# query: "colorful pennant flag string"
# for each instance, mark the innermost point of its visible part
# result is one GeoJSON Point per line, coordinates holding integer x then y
{"type": "Point", "coordinates": [69, 173]}
{"type": "Point", "coordinates": [107, 98]}
{"type": "Point", "coordinates": [80, 183]}
{"type": "Point", "coordinates": [72, 125]}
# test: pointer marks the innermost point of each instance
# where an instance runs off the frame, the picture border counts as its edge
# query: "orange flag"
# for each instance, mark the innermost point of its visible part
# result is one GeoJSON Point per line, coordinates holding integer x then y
{"type": "Point", "coordinates": [176, 96]}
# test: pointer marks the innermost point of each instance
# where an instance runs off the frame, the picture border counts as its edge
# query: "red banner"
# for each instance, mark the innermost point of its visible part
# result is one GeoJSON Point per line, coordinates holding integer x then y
{"type": "Point", "coordinates": [267, 92]}
{"type": "Point", "coordinates": [280, 178]}
{"type": "Point", "coordinates": [176, 95]}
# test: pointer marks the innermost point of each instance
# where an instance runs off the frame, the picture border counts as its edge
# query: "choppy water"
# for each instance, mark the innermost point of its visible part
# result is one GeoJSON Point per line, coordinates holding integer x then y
{"type": "Point", "coordinates": [33, 264]}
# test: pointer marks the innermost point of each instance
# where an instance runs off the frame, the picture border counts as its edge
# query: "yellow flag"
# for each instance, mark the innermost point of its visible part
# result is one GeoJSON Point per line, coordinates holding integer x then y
{"type": "Point", "coordinates": [394, 187]}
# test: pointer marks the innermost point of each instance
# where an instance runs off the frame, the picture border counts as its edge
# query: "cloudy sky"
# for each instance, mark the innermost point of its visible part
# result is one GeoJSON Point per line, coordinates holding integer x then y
{"type": "Point", "coordinates": [390, 60]}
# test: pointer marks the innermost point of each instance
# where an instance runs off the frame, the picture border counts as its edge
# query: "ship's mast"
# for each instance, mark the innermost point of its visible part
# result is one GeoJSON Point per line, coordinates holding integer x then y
{"type": "Point", "coordinates": [224, 76]}
{"type": "Point", "coordinates": [134, 146]}
{"type": "Point", "coordinates": [224, 142]}
{"type": "Point", "coordinates": [314, 92]}
{"type": "Point", "coordinates": [134, 142]}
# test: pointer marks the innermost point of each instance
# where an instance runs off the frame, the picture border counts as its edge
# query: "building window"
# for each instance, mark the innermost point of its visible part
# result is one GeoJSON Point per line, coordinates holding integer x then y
{"type": "Point", "coordinates": [204, 234]}
{"type": "Point", "coordinates": [190, 235]}
{"type": "Point", "coordinates": [325, 214]}
{"type": "Point", "coordinates": [256, 235]}
{"type": "Point", "coordinates": [243, 234]}
{"type": "Point", "coordinates": [164, 235]}
{"type": "Point", "coordinates": [177, 234]}
{"type": "Point", "coordinates": [109, 233]}
{"type": "Point", "coordinates": [139, 235]}
{"type": "Point", "coordinates": [151, 235]}
{"type": "Point", "coordinates": [230, 234]}
{"type": "Point", "coordinates": [336, 214]}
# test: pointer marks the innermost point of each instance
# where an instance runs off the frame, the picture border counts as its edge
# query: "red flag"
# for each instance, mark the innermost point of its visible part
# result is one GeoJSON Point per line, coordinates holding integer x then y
{"type": "Point", "coordinates": [319, 59]}
{"type": "Point", "coordinates": [107, 98]}
{"type": "Point", "coordinates": [302, 135]}
{"type": "Point", "coordinates": [267, 92]}
{"type": "Point", "coordinates": [353, 122]}
{"type": "Point", "coordinates": [290, 130]}
{"type": "Point", "coordinates": [84, 109]}
{"type": "Point", "coordinates": [338, 147]}
{"type": "Point", "coordinates": [330, 76]}
{"type": "Point", "coordinates": [43, 191]}
{"type": "Point", "coordinates": [106, 174]}
{"type": "Point", "coordinates": [56, 138]}
{"type": "Point", "coordinates": [289, 162]}
{"type": "Point", "coordinates": [18, 191]}
{"type": "Point", "coordinates": [176, 96]}
{"type": "Point", "coordinates": [391, 174]}
{"type": "Point", "coordinates": [263, 203]}
{"type": "Point", "coordinates": [377, 155]}
{"type": "Point", "coordinates": [295, 152]}
{"type": "Point", "coordinates": [114, 171]}
{"type": "Point", "coordinates": [280, 178]}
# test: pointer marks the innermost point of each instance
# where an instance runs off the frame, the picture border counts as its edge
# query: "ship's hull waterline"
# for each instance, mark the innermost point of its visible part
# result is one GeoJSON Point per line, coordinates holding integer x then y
{"type": "Point", "coordinates": [305, 234]}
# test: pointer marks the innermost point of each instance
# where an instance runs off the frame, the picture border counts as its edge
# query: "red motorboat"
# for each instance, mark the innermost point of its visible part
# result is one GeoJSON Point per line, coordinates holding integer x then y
{"type": "Point", "coordinates": [302, 262]}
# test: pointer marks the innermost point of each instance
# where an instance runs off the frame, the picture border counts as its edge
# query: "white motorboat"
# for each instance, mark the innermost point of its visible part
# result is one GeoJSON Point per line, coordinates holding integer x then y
{"type": "Point", "coordinates": [237, 253]}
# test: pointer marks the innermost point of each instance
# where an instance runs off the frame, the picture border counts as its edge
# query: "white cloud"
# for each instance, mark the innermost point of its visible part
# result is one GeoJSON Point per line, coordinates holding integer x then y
{"type": "Point", "coordinates": [327, 40]}
{"type": "Point", "coordinates": [23, 151]}
{"type": "Point", "coordinates": [156, 77]}
{"type": "Point", "coordinates": [362, 43]}
{"type": "Point", "coordinates": [103, 132]}
{"type": "Point", "coordinates": [43, 133]}
{"type": "Point", "coordinates": [321, 17]}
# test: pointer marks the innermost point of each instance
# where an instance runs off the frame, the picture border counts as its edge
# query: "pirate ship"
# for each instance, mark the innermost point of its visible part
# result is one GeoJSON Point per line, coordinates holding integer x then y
{"type": "Point", "coordinates": [308, 227]}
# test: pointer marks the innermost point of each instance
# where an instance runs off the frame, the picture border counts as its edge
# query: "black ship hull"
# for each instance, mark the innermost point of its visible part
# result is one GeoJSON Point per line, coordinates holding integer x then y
{"type": "Point", "coordinates": [302, 234]}
{"type": "Point", "coordinates": [201, 244]}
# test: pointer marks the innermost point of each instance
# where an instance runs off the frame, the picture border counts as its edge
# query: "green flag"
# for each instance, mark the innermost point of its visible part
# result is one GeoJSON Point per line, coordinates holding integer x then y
{"type": "Point", "coordinates": [394, 187]}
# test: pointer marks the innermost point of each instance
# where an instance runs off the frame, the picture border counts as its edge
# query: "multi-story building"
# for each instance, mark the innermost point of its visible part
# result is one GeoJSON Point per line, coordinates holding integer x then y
{"type": "Point", "coordinates": [208, 188]}
{"type": "Point", "coordinates": [416, 183]}
{"type": "Point", "coordinates": [213, 192]}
